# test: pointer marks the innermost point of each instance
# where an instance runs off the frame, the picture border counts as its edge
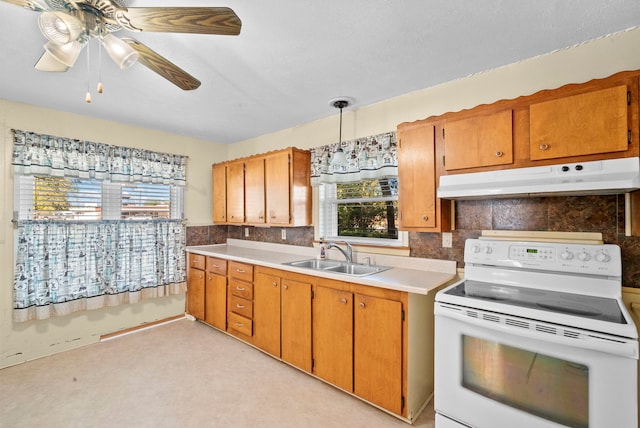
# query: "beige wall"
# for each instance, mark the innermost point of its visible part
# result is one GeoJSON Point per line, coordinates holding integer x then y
{"type": "Point", "coordinates": [25, 341]}
{"type": "Point", "coordinates": [20, 342]}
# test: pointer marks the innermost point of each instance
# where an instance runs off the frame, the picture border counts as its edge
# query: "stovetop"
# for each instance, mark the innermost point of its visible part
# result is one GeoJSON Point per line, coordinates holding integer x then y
{"type": "Point", "coordinates": [576, 285]}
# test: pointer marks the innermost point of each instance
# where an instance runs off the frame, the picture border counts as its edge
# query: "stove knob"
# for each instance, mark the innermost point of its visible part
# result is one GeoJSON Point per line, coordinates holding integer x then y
{"type": "Point", "coordinates": [566, 255]}
{"type": "Point", "coordinates": [602, 257]}
{"type": "Point", "coordinates": [584, 256]}
{"type": "Point", "coordinates": [488, 250]}
{"type": "Point", "coordinates": [476, 248]}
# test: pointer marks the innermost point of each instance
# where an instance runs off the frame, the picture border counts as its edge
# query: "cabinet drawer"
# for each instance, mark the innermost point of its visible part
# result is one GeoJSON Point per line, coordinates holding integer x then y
{"type": "Point", "coordinates": [241, 306]}
{"type": "Point", "coordinates": [240, 324]}
{"type": "Point", "coordinates": [241, 289]}
{"type": "Point", "coordinates": [196, 261]}
{"type": "Point", "coordinates": [217, 266]}
{"type": "Point", "coordinates": [241, 271]}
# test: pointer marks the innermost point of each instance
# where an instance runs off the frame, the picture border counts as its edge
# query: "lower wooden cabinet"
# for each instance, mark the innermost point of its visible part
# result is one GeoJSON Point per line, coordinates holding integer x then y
{"type": "Point", "coordinates": [295, 323]}
{"type": "Point", "coordinates": [215, 293]}
{"type": "Point", "coordinates": [195, 286]}
{"type": "Point", "coordinates": [333, 336]}
{"type": "Point", "coordinates": [266, 307]}
{"type": "Point", "coordinates": [377, 343]}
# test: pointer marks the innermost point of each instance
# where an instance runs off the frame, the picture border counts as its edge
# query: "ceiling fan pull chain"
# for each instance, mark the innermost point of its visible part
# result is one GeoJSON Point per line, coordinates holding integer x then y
{"type": "Point", "coordinates": [100, 89]}
{"type": "Point", "coordinates": [87, 97]}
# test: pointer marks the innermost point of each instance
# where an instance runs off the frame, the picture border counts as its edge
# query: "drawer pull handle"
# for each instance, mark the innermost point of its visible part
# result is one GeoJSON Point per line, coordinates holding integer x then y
{"type": "Point", "coordinates": [239, 306]}
{"type": "Point", "coordinates": [240, 288]}
{"type": "Point", "coordinates": [544, 147]}
{"type": "Point", "coordinates": [239, 324]}
{"type": "Point", "coordinates": [216, 266]}
{"type": "Point", "coordinates": [343, 301]}
{"type": "Point", "coordinates": [240, 270]}
{"type": "Point", "coordinates": [361, 304]}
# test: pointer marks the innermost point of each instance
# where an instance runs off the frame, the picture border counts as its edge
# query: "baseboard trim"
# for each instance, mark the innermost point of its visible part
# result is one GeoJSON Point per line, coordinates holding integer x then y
{"type": "Point", "coordinates": [138, 328]}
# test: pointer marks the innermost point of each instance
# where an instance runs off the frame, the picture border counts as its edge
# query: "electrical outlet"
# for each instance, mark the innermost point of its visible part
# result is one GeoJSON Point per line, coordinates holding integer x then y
{"type": "Point", "coordinates": [283, 234]}
{"type": "Point", "coordinates": [246, 232]}
{"type": "Point", "coordinates": [447, 239]}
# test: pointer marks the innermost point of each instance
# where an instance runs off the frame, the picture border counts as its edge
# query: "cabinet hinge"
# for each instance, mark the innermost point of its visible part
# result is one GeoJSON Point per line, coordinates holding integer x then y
{"type": "Point", "coordinates": [443, 158]}
{"type": "Point", "coordinates": [628, 98]}
{"type": "Point", "coordinates": [402, 314]}
{"type": "Point", "coordinates": [402, 402]}
{"type": "Point", "coordinates": [628, 136]}
{"type": "Point", "coordinates": [443, 133]}
{"type": "Point", "coordinates": [313, 363]}
{"type": "Point", "coordinates": [313, 295]}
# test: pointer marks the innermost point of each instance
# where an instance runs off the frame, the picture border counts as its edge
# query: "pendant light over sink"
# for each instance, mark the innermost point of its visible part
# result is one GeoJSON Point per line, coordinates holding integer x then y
{"type": "Point", "coordinates": [339, 157]}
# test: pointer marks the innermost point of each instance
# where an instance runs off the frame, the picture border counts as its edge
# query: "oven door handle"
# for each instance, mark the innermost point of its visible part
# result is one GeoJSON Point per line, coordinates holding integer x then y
{"type": "Point", "coordinates": [622, 347]}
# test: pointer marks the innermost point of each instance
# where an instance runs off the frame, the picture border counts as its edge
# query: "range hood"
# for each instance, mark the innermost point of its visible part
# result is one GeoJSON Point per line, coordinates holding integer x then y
{"type": "Point", "coordinates": [584, 178]}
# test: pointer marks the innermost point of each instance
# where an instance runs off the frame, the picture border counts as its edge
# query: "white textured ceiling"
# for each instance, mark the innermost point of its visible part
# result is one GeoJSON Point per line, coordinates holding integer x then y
{"type": "Point", "coordinates": [293, 56]}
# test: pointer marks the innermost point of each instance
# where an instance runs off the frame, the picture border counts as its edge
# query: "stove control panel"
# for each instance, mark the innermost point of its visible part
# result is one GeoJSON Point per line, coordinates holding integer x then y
{"type": "Point", "coordinates": [598, 259]}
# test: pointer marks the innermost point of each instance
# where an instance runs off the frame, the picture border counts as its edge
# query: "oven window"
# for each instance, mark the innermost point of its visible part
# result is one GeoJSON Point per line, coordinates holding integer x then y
{"type": "Point", "coordinates": [548, 387]}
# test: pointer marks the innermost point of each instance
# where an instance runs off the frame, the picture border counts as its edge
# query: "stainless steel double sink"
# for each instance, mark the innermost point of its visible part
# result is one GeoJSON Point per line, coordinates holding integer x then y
{"type": "Point", "coordinates": [335, 266]}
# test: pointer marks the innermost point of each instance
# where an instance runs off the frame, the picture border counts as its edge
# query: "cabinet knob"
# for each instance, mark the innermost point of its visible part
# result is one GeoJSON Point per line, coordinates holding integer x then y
{"type": "Point", "coordinates": [286, 287]}
{"type": "Point", "coordinates": [499, 154]}
{"type": "Point", "coordinates": [361, 305]}
{"type": "Point", "coordinates": [343, 301]}
{"type": "Point", "coordinates": [544, 147]}
{"type": "Point", "coordinates": [275, 284]}
{"type": "Point", "coordinates": [425, 217]}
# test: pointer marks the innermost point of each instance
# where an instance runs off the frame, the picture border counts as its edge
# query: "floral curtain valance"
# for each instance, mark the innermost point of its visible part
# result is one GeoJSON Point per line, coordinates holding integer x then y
{"type": "Point", "coordinates": [366, 158]}
{"type": "Point", "coordinates": [58, 156]}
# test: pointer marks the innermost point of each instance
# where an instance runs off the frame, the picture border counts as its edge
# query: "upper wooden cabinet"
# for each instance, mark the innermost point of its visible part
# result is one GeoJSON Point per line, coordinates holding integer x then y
{"type": "Point", "coordinates": [235, 192]}
{"type": "Point", "coordinates": [583, 124]}
{"type": "Point", "coordinates": [483, 140]}
{"type": "Point", "coordinates": [419, 209]}
{"type": "Point", "coordinates": [219, 176]}
{"type": "Point", "coordinates": [272, 188]}
{"type": "Point", "coordinates": [254, 193]}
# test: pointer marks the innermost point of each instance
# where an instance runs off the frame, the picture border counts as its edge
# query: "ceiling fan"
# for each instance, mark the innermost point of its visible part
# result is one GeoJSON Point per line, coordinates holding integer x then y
{"type": "Point", "coordinates": [70, 24]}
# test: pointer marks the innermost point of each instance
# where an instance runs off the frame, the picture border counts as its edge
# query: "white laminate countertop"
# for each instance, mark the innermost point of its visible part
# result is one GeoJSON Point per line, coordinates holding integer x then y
{"type": "Point", "coordinates": [409, 274]}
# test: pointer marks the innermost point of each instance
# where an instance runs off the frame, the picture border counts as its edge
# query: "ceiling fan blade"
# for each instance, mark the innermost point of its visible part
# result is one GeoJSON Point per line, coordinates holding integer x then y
{"type": "Point", "coordinates": [36, 5]}
{"type": "Point", "coordinates": [165, 68]}
{"type": "Point", "coordinates": [200, 20]}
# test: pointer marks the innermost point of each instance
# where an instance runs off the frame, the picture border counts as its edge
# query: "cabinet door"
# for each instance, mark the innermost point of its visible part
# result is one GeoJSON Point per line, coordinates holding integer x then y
{"type": "Point", "coordinates": [296, 323]}
{"type": "Point", "coordinates": [416, 177]}
{"type": "Point", "coordinates": [278, 188]}
{"type": "Point", "coordinates": [235, 192]}
{"type": "Point", "coordinates": [378, 351]}
{"type": "Point", "coordinates": [266, 313]}
{"type": "Point", "coordinates": [254, 191]}
{"type": "Point", "coordinates": [215, 311]}
{"type": "Point", "coordinates": [479, 141]}
{"type": "Point", "coordinates": [333, 336]}
{"type": "Point", "coordinates": [584, 124]}
{"type": "Point", "coordinates": [195, 293]}
{"type": "Point", "coordinates": [219, 181]}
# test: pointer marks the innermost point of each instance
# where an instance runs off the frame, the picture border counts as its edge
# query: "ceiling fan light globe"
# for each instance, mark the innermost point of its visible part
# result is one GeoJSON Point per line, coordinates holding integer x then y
{"type": "Point", "coordinates": [67, 54]}
{"type": "Point", "coordinates": [48, 62]}
{"type": "Point", "coordinates": [120, 52]}
{"type": "Point", "coordinates": [60, 28]}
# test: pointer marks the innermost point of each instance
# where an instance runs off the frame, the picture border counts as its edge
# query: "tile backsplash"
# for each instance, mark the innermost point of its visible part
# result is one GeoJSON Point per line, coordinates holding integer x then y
{"type": "Point", "coordinates": [604, 214]}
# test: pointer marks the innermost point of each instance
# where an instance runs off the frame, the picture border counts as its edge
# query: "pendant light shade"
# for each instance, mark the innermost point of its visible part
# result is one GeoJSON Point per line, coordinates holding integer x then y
{"type": "Point", "coordinates": [66, 54]}
{"type": "Point", "coordinates": [121, 53]}
{"type": "Point", "coordinates": [59, 27]}
{"type": "Point", "coordinates": [48, 62]}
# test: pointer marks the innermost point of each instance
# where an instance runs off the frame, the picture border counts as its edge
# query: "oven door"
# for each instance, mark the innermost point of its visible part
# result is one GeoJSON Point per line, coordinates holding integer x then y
{"type": "Point", "coordinates": [497, 371]}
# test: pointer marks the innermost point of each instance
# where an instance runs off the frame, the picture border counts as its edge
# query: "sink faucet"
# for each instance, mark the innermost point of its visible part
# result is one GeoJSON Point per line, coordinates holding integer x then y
{"type": "Point", "coordinates": [348, 254]}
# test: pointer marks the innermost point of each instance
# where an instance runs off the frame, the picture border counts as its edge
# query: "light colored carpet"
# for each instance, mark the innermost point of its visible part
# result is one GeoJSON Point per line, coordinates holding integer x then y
{"type": "Point", "coordinates": [180, 374]}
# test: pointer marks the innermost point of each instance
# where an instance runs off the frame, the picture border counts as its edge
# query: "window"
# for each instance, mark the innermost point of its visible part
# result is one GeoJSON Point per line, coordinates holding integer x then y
{"type": "Point", "coordinates": [361, 211]}
{"type": "Point", "coordinates": [70, 198]}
